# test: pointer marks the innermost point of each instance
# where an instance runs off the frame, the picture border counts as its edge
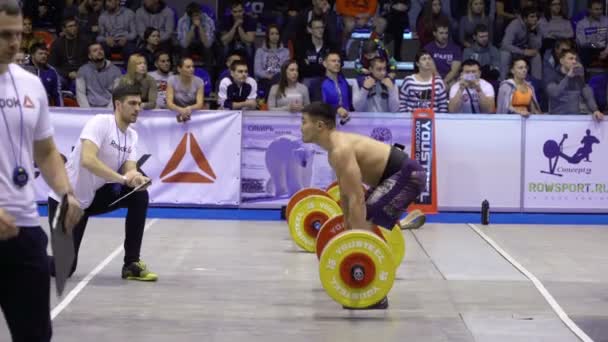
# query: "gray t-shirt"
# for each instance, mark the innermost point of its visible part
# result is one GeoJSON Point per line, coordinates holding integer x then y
{"type": "Point", "coordinates": [184, 96]}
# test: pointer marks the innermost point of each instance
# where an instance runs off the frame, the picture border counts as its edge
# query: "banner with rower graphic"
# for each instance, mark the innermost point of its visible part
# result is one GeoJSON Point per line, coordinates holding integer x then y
{"type": "Point", "coordinates": [566, 166]}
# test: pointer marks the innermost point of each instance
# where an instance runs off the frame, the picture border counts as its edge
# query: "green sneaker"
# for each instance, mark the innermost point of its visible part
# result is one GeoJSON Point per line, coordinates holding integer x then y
{"type": "Point", "coordinates": [138, 271]}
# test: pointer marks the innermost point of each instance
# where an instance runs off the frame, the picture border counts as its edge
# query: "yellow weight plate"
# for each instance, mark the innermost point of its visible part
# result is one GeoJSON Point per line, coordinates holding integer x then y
{"type": "Point", "coordinates": [334, 191]}
{"type": "Point", "coordinates": [308, 216]}
{"type": "Point", "coordinates": [357, 269]}
{"type": "Point", "coordinates": [301, 194]}
{"type": "Point", "coordinates": [396, 242]}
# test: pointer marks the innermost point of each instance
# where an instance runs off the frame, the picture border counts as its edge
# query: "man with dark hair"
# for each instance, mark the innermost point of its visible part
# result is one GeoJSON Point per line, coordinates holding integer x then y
{"type": "Point", "coordinates": [485, 53]}
{"type": "Point", "coordinates": [162, 61]}
{"type": "Point", "coordinates": [522, 39]}
{"type": "Point", "coordinates": [568, 93]}
{"type": "Point", "coordinates": [394, 179]}
{"type": "Point", "coordinates": [377, 91]}
{"type": "Point", "coordinates": [48, 75]}
{"type": "Point", "coordinates": [334, 89]}
{"type": "Point", "coordinates": [311, 49]}
{"type": "Point", "coordinates": [592, 33]}
{"type": "Point", "coordinates": [238, 31]}
{"type": "Point", "coordinates": [117, 31]}
{"type": "Point", "coordinates": [102, 166]}
{"type": "Point", "coordinates": [26, 137]}
{"type": "Point", "coordinates": [471, 94]}
{"type": "Point", "coordinates": [447, 55]}
{"type": "Point", "coordinates": [96, 79]}
{"type": "Point", "coordinates": [68, 53]}
{"type": "Point", "coordinates": [239, 91]}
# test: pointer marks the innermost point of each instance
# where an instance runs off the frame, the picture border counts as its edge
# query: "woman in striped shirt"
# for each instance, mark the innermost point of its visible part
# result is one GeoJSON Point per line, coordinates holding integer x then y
{"type": "Point", "coordinates": [424, 88]}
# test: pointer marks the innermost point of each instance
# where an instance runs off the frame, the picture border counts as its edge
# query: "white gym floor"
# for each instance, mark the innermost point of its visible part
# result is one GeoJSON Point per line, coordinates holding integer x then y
{"type": "Point", "coordinates": [247, 281]}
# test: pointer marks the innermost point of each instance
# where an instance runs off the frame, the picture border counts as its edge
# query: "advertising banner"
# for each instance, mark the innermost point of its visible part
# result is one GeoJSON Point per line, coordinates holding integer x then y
{"type": "Point", "coordinates": [566, 166]}
{"type": "Point", "coordinates": [195, 163]}
{"type": "Point", "coordinates": [276, 163]}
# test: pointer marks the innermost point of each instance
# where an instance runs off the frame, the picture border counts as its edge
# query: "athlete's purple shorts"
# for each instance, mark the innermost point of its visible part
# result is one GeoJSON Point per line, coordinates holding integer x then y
{"type": "Point", "coordinates": [403, 180]}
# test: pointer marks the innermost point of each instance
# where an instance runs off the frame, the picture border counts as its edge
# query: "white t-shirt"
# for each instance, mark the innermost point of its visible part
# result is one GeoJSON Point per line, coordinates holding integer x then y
{"type": "Point", "coordinates": [486, 88]}
{"type": "Point", "coordinates": [115, 147]}
{"type": "Point", "coordinates": [30, 96]}
{"type": "Point", "coordinates": [161, 87]}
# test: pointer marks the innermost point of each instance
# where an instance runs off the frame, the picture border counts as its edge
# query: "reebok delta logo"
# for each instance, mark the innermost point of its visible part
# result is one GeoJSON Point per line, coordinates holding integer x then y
{"type": "Point", "coordinates": [205, 173]}
{"type": "Point", "coordinates": [27, 102]}
{"type": "Point", "coordinates": [14, 102]}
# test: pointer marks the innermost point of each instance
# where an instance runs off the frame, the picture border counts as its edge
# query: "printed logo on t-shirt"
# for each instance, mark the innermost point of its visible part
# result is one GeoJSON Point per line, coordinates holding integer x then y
{"type": "Point", "coordinates": [124, 149]}
{"type": "Point", "coordinates": [27, 102]}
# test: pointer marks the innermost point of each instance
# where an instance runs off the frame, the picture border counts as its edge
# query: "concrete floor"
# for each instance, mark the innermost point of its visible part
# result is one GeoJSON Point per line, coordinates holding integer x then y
{"type": "Point", "coordinates": [237, 280]}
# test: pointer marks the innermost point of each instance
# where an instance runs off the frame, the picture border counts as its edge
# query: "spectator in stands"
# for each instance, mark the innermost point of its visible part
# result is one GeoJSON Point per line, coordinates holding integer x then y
{"type": "Point", "coordinates": [232, 57]}
{"type": "Point", "coordinates": [373, 48]}
{"type": "Point", "coordinates": [360, 14]}
{"type": "Point", "coordinates": [95, 79]}
{"type": "Point", "coordinates": [117, 31]}
{"type": "Point", "coordinates": [321, 9]}
{"type": "Point", "coordinates": [567, 91]}
{"type": "Point", "coordinates": [397, 21]}
{"type": "Point", "coordinates": [162, 61]}
{"type": "Point", "coordinates": [238, 31]}
{"type": "Point", "coordinates": [87, 17]}
{"type": "Point", "coordinates": [196, 33]}
{"type": "Point", "coordinates": [424, 88]}
{"type": "Point", "coordinates": [28, 39]}
{"type": "Point", "coordinates": [554, 24]}
{"type": "Point", "coordinates": [377, 91]}
{"type": "Point", "coordinates": [48, 75]}
{"type": "Point", "coordinates": [424, 13]}
{"type": "Point", "coordinates": [476, 15]}
{"type": "Point", "coordinates": [156, 14]}
{"type": "Point", "coordinates": [551, 66]}
{"type": "Point", "coordinates": [471, 94]}
{"type": "Point", "coordinates": [151, 46]}
{"type": "Point", "coordinates": [485, 53]}
{"type": "Point", "coordinates": [137, 75]}
{"type": "Point", "coordinates": [431, 14]}
{"type": "Point", "coordinates": [45, 15]}
{"type": "Point", "coordinates": [334, 89]}
{"type": "Point", "coordinates": [516, 95]}
{"type": "Point", "coordinates": [522, 39]}
{"type": "Point", "coordinates": [68, 53]}
{"type": "Point", "coordinates": [592, 34]}
{"type": "Point", "coordinates": [269, 59]}
{"type": "Point", "coordinates": [311, 51]}
{"type": "Point", "coordinates": [289, 94]}
{"type": "Point", "coordinates": [239, 91]}
{"type": "Point", "coordinates": [185, 92]}
{"type": "Point", "coordinates": [20, 58]}
{"type": "Point", "coordinates": [446, 55]}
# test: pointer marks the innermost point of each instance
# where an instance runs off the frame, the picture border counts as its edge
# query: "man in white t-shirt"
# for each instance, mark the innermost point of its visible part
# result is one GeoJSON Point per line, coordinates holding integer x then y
{"type": "Point", "coordinates": [102, 167]}
{"type": "Point", "coordinates": [471, 94]}
{"type": "Point", "coordinates": [26, 136]}
{"type": "Point", "coordinates": [162, 61]}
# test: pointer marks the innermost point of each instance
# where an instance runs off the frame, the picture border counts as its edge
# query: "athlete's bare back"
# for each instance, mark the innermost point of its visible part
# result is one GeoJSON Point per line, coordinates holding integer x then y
{"type": "Point", "coordinates": [370, 155]}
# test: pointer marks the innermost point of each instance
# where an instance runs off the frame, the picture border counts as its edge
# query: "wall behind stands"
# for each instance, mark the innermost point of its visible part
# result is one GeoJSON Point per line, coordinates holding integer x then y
{"type": "Point", "coordinates": [257, 160]}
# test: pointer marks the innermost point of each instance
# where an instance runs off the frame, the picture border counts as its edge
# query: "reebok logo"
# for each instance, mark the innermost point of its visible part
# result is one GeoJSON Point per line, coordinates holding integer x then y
{"type": "Point", "coordinates": [27, 102]}
{"type": "Point", "coordinates": [206, 176]}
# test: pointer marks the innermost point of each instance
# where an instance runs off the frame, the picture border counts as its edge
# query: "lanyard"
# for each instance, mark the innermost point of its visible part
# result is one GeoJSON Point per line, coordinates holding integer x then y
{"type": "Point", "coordinates": [8, 131]}
{"type": "Point", "coordinates": [120, 158]}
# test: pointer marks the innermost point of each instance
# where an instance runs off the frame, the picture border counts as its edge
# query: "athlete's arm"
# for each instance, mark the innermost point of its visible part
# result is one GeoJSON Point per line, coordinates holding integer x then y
{"type": "Point", "coordinates": [348, 172]}
{"type": "Point", "coordinates": [89, 160]}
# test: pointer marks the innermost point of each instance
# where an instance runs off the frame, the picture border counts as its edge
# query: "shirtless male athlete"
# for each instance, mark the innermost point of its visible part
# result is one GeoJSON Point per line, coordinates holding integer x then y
{"type": "Point", "coordinates": [394, 180]}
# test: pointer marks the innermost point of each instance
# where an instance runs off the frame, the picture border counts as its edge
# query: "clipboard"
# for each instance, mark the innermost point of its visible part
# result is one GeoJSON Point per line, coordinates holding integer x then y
{"type": "Point", "coordinates": [62, 245]}
{"type": "Point", "coordinates": [132, 191]}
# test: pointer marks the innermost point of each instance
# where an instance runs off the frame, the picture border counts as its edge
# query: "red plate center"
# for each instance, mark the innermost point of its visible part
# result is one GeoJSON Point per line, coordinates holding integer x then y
{"type": "Point", "coordinates": [357, 270]}
{"type": "Point", "coordinates": [313, 222]}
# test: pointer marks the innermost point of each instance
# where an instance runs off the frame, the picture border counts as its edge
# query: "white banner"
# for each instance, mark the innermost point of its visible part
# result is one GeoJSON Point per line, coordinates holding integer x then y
{"type": "Point", "coordinates": [196, 163]}
{"type": "Point", "coordinates": [566, 165]}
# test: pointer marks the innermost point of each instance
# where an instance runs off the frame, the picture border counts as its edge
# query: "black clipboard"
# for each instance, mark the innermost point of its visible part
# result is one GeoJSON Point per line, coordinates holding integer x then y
{"type": "Point", "coordinates": [62, 245]}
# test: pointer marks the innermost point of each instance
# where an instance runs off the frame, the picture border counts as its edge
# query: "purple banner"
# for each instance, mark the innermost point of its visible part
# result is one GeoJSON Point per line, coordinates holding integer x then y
{"type": "Point", "coordinates": [276, 163]}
